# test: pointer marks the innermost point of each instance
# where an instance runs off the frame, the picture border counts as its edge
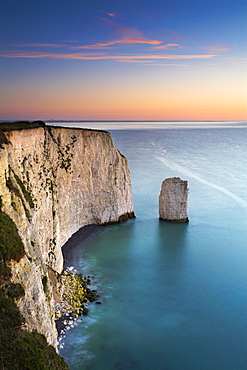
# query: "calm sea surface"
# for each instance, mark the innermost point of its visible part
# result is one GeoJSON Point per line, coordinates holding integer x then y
{"type": "Point", "coordinates": [174, 296]}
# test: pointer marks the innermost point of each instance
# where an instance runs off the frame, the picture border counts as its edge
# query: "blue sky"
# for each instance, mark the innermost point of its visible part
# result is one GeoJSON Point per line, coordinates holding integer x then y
{"type": "Point", "coordinates": [123, 60]}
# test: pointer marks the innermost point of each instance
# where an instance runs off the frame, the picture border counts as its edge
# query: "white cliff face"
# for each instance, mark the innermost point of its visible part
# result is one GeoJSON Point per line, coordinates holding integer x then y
{"type": "Point", "coordinates": [173, 200]}
{"type": "Point", "coordinates": [53, 181]}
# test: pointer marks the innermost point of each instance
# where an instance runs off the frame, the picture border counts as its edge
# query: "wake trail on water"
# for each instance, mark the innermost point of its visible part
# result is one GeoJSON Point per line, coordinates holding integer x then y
{"type": "Point", "coordinates": [174, 166]}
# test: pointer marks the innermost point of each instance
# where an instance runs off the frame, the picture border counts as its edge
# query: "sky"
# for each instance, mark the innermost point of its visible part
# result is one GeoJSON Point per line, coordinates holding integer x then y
{"type": "Point", "coordinates": [123, 60]}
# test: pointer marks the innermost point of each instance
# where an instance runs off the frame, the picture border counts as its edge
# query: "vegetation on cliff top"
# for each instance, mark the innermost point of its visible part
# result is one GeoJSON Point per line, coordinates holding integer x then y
{"type": "Point", "coordinates": [19, 349]}
{"type": "Point", "coordinates": [20, 125]}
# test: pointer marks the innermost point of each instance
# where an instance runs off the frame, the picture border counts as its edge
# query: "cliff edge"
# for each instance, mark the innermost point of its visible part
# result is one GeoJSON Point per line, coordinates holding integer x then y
{"type": "Point", "coordinates": [53, 181]}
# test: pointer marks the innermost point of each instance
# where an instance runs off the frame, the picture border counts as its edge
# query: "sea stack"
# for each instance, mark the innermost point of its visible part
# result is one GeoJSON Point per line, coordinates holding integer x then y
{"type": "Point", "coordinates": [173, 200]}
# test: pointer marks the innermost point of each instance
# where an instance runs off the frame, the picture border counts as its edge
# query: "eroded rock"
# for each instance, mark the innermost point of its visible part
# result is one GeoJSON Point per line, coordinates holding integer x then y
{"type": "Point", "coordinates": [173, 200]}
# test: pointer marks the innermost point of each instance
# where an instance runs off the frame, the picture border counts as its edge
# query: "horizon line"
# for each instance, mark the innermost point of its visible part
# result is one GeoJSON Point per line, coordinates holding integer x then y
{"type": "Point", "coordinates": [117, 120]}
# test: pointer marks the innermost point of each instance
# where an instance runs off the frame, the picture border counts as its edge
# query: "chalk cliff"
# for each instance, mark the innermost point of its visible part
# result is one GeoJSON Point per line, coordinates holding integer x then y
{"type": "Point", "coordinates": [173, 200]}
{"type": "Point", "coordinates": [53, 181]}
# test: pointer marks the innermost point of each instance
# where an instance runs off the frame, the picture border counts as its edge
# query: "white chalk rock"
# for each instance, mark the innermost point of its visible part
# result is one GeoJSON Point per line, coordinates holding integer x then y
{"type": "Point", "coordinates": [173, 200]}
{"type": "Point", "coordinates": [53, 181]}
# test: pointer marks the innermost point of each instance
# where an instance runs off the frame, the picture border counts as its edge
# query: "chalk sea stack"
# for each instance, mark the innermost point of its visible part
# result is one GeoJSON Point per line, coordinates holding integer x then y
{"type": "Point", "coordinates": [173, 200]}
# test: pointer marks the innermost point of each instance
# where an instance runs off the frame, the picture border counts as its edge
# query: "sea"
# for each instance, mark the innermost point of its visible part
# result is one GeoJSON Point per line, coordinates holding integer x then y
{"type": "Point", "coordinates": [173, 296]}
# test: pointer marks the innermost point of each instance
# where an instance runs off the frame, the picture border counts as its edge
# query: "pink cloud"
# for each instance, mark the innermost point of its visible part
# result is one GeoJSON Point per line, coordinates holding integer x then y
{"type": "Point", "coordinates": [117, 28]}
{"type": "Point", "coordinates": [216, 48]}
{"type": "Point", "coordinates": [166, 47]}
{"type": "Point", "coordinates": [128, 40]}
{"type": "Point", "coordinates": [125, 40]}
{"type": "Point", "coordinates": [98, 56]}
{"type": "Point", "coordinates": [109, 14]}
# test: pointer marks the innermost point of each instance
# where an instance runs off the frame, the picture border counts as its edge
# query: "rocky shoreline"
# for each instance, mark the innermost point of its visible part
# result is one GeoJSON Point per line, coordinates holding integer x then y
{"type": "Point", "coordinates": [74, 288]}
{"type": "Point", "coordinates": [76, 296]}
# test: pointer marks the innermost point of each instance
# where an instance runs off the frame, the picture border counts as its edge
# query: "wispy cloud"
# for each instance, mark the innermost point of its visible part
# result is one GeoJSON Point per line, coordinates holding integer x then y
{"type": "Point", "coordinates": [52, 55]}
{"type": "Point", "coordinates": [119, 29]}
{"type": "Point", "coordinates": [99, 56]}
{"type": "Point", "coordinates": [110, 49]}
{"type": "Point", "coordinates": [166, 47]}
{"type": "Point", "coordinates": [216, 48]}
{"type": "Point", "coordinates": [109, 14]}
{"type": "Point", "coordinates": [125, 40]}
{"type": "Point", "coordinates": [164, 56]}
{"type": "Point", "coordinates": [241, 62]}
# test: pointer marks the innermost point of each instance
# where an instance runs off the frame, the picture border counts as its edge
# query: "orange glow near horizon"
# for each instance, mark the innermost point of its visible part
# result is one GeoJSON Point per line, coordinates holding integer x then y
{"type": "Point", "coordinates": [126, 110]}
{"type": "Point", "coordinates": [148, 93]}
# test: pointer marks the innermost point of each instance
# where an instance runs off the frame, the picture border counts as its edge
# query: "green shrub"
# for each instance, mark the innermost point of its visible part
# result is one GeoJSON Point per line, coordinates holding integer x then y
{"type": "Point", "coordinates": [15, 290]}
{"type": "Point", "coordinates": [20, 349]}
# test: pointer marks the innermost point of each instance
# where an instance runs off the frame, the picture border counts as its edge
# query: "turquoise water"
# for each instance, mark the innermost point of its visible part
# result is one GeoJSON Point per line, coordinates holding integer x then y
{"type": "Point", "coordinates": [173, 295]}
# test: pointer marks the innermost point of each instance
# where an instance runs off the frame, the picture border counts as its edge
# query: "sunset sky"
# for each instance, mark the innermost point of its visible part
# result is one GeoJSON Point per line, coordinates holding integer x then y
{"type": "Point", "coordinates": [123, 60]}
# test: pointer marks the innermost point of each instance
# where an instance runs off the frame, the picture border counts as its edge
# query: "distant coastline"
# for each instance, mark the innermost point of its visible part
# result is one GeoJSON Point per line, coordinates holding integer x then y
{"type": "Point", "coordinates": [112, 125]}
{"type": "Point", "coordinates": [118, 120]}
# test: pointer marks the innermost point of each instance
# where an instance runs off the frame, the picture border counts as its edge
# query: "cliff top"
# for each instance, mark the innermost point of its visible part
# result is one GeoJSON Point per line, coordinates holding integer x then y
{"type": "Point", "coordinates": [20, 125]}
{"type": "Point", "coordinates": [23, 125]}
